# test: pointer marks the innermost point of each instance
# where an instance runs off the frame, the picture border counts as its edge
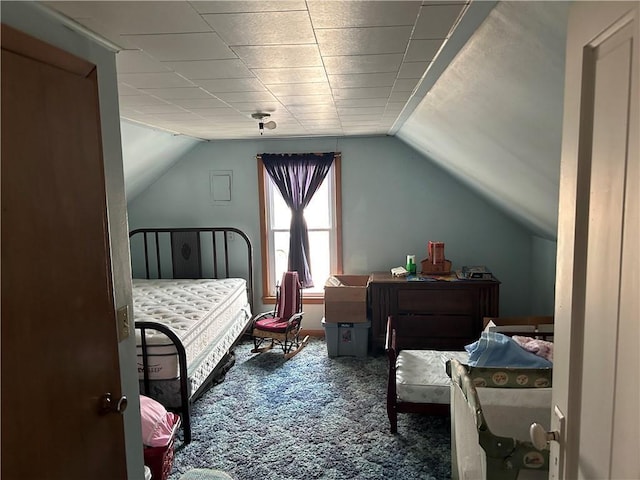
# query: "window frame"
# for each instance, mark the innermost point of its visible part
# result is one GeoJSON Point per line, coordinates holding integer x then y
{"type": "Point", "coordinates": [265, 230]}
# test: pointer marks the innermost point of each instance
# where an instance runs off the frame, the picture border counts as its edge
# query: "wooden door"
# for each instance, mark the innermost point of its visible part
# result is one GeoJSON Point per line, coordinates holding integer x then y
{"type": "Point", "coordinates": [59, 336]}
{"type": "Point", "coordinates": [598, 310]}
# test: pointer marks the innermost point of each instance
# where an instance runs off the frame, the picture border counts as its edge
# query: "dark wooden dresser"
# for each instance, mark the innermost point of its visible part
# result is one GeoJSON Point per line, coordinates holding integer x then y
{"type": "Point", "coordinates": [439, 315]}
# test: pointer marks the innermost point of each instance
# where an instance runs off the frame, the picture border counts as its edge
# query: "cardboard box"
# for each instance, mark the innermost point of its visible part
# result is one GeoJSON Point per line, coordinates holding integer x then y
{"type": "Point", "coordinates": [346, 300]}
{"type": "Point", "coordinates": [347, 339]}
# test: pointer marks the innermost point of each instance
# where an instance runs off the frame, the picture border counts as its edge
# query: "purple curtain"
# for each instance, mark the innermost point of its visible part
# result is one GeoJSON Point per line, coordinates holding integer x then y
{"type": "Point", "coordinates": [298, 177]}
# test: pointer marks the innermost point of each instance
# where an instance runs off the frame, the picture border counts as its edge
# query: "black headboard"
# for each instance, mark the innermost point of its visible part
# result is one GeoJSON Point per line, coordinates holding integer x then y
{"type": "Point", "coordinates": [197, 252]}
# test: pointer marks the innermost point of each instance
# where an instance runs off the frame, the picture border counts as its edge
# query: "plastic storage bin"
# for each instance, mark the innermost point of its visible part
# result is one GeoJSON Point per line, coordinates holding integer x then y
{"type": "Point", "coordinates": [347, 339]}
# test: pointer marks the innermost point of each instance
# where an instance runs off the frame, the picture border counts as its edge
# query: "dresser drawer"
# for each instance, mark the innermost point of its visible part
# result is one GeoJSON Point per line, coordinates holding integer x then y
{"type": "Point", "coordinates": [437, 326]}
{"type": "Point", "coordinates": [436, 301]}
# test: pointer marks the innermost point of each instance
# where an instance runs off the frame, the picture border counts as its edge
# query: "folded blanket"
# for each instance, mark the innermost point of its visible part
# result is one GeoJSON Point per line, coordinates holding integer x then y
{"type": "Point", "coordinates": [542, 348]}
{"type": "Point", "coordinates": [498, 350]}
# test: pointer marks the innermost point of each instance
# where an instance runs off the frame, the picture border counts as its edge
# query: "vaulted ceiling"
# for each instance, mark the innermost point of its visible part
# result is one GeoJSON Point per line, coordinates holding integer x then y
{"type": "Point", "coordinates": [476, 87]}
{"type": "Point", "coordinates": [316, 67]}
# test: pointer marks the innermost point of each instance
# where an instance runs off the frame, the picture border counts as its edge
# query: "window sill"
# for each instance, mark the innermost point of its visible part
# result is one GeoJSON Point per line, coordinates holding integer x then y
{"type": "Point", "coordinates": [317, 299]}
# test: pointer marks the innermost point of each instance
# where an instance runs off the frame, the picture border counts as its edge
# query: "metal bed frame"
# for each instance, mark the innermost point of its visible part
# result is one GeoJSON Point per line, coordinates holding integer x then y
{"type": "Point", "coordinates": [195, 252]}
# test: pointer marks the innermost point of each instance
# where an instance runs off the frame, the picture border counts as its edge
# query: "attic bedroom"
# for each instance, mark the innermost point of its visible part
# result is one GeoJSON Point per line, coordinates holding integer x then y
{"type": "Point", "coordinates": [251, 341]}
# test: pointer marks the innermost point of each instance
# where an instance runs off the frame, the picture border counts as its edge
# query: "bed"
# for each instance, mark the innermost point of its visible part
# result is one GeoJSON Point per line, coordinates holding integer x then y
{"type": "Point", "coordinates": [192, 302]}
{"type": "Point", "coordinates": [417, 379]}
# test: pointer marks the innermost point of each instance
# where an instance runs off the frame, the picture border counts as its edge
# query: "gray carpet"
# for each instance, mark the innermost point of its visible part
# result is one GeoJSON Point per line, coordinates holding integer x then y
{"type": "Point", "coordinates": [312, 417]}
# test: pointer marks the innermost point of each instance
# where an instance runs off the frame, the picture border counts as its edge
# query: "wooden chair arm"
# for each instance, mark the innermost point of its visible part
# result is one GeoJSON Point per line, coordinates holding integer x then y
{"type": "Point", "coordinates": [260, 316]}
{"type": "Point", "coordinates": [295, 317]}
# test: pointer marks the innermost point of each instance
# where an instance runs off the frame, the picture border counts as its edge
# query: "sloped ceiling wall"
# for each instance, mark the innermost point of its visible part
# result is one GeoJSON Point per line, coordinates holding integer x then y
{"type": "Point", "coordinates": [494, 118]}
{"type": "Point", "coordinates": [147, 154]}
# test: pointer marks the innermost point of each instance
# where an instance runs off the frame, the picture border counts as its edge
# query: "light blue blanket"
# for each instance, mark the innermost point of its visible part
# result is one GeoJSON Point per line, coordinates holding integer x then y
{"type": "Point", "coordinates": [497, 350]}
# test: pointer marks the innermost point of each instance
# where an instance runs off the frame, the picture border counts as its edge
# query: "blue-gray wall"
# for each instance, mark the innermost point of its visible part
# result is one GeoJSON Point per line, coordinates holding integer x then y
{"type": "Point", "coordinates": [394, 201]}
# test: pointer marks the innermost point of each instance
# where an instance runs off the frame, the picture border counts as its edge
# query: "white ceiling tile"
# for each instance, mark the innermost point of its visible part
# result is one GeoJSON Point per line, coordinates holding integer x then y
{"type": "Point", "coordinates": [324, 108]}
{"type": "Point", "coordinates": [226, 114]}
{"type": "Point", "coordinates": [394, 107]}
{"type": "Point", "coordinates": [362, 63]}
{"type": "Point", "coordinates": [318, 120]}
{"type": "Point", "coordinates": [137, 61]}
{"type": "Point", "coordinates": [250, 107]}
{"type": "Point", "coordinates": [361, 102]}
{"type": "Point", "coordinates": [174, 117]}
{"type": "Point", "coordinates": [363, 41]}
{"type": "Point", "coordinates": [174, 93]}
{"type": "Point", "coordinates": [137, 100]}
{"type": "Point", "coordinates": [362, 80]}
{"type": "Point", "coordinates": [270, 76]}
{"type": "Point", "coordinates": [272, 28]}
{"type": "Point", "coordinates": [183, 46]}
{"type": "Point", "coordinates": [239, 6]}
{"type": "Point", "coordinates": [125, 111]}
{"type": "Point", "coordinates": [215, 69]}
{"type": "Point", "coordinates": [321, 122]}
{"type": "Point", "coordinates": [435, 21]}
{"type": "Point", "coordinates": [210, 69]}
{"type": "Point", "coordinates": [140, 17]}
{"type": "Point", "coordinates": [364, 131]}
{"type": "Point", "coordinates": [413, 69]}
{"type": "Point", "coordinates": [154, 80]}
{"type": "Point", "coordinates": [399, 96]}
{"type": "Point", "coordinates": [151, 109]}
{"type": "Point", "coordinates": [346, 111]}
{"type": "Point", "coordinates": [422, 50]}
{"type": "Point", "coordinates": [360, 121]}
{"type": "Point", "coordinates": [330, 132]}
{"type": "Point", "coordinates": [271, 56]}
{"type": "Point", "coordinates": [245, 97]}
{"type": "Point", "coordinates": [126, 90]}
{"type": "Point", "coordinates": [196, 103]}
{"type": "Point", "coordinates": [326, 14]}
{"type": "Point", "coordinates": [292, 100]}
{"type": "Point", "coordinates": [301, 89]}
{"type": "Point", "coordinates": [110, 32]}
{"type": "Point", "coordinates": [233, 85]}
{"type": "Point", "coordinates": [177, 73]}
{"type": "Point", "coordinates": [369, 92]}
{"type": "Point", "coordinates": [405, 85]}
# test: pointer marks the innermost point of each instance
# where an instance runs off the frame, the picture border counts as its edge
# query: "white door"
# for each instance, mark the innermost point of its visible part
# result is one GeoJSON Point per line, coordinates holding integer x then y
{"type": "Point", "coordinates": [597, 364]}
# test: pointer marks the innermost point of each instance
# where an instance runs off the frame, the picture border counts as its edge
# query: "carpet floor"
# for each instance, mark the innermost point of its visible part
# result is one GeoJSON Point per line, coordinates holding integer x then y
{"type": "Point", "coordinates": [312, 417]}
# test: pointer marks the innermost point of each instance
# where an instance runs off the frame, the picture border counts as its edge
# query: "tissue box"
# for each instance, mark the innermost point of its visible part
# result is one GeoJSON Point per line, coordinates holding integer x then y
{"type": "Point", "coordinates": [346, 301]}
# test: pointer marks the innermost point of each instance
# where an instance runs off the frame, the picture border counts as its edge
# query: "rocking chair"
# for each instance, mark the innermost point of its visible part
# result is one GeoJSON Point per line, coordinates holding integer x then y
{"type": "Point", "coordinates": [282, 325]}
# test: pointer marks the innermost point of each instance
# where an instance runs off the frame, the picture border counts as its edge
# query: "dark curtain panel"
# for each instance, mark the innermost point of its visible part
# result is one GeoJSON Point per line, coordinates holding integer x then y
{"type": "Point", "coordinates": [298, 177]}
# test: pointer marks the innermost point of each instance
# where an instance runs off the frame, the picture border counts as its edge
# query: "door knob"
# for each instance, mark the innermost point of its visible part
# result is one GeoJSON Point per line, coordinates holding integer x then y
{"type": "Point", "coordinates": [112, 405]}
{"type": "Point", "coordinates": [540, 437]}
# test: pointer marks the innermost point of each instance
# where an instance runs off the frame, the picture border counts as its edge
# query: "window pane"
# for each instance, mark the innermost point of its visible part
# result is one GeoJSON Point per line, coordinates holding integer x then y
{"type": "Point", "coordinates": [281, 249]}
{"type": "Point", "coordinates": [317, 213]}
{"type": "Point", "coordinates": [319, 243]}
{"type": "Point", "coordinates": [281, 213]}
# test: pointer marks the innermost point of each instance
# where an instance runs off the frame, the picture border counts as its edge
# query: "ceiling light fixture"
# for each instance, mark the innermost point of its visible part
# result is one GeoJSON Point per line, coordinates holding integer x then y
{"type": "Point", "coordinates": [270, 125]}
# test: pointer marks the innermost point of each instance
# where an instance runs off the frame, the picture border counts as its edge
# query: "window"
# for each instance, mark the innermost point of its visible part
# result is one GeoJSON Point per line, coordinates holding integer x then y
{"type": "Point", "coordinates": [323, 218]}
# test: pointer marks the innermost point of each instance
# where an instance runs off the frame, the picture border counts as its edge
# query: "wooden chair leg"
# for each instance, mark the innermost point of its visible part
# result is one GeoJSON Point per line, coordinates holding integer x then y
{"type": "Point", "coordinates": [392, 413]}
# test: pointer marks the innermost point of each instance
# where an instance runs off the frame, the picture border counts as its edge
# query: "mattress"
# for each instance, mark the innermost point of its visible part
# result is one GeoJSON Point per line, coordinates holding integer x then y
{"type": "Point", "coordinates": [201, 312]}
{"type": "Point", "coordinates": [421, 376]}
